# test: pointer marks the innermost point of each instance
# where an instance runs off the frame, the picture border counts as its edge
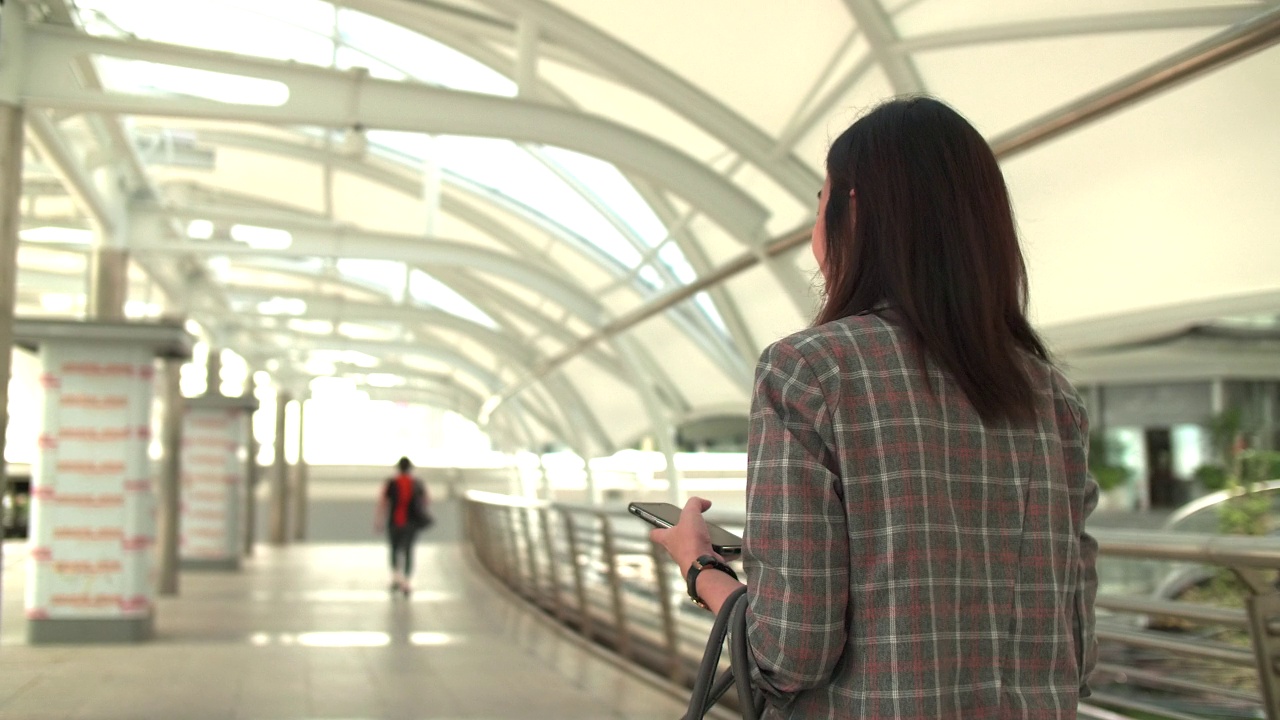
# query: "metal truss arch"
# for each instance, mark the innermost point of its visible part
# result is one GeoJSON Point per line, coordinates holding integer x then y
{"type": "Point", "coordinates": [376, 103]}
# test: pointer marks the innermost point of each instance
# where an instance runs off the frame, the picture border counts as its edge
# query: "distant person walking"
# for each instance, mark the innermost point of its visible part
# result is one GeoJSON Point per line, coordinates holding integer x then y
{"type": "Point", "coordinates": [405, 509]}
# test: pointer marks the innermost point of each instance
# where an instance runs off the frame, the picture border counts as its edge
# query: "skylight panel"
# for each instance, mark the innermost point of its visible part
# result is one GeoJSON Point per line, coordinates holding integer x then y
{"type": "Point", "coordinates": [388, 276]}
{"type": "Point", "coordinates": [506, 168]}
{"type": "Point", "coordinates": [426, 290]}
{"type": "Point", "coordinates": [351, 58]}
{"type": "Point", "coordinates": [671, 255]}
{"type": "Point", "coordinates": [282, 306]}
{"type": "Point", "coordinates": [708, 306]}
{"type": "Point", "coordinates": [423, 58]}
{"type": "Point", "coordinates": [69, 236]}
{"type": "Point", "coordinates": [298, 30]}
{"type": "Point", "coordinates": [612, 187]}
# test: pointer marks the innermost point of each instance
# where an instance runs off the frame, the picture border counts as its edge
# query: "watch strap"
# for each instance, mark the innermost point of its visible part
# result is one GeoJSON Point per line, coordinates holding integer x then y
{"type": "Point", "coordinates": [702, 563]}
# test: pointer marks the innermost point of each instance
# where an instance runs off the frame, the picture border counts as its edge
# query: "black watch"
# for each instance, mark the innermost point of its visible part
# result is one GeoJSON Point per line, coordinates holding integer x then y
{"type": "Point", "coordinates": [702, 563]}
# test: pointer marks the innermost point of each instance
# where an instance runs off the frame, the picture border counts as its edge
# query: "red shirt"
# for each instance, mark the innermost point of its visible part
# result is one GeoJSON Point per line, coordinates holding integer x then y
{"type": "Point", "coordinates": [399, 493]}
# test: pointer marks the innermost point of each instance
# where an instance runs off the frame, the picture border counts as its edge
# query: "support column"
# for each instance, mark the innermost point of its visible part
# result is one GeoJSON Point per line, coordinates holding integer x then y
{"type": "Point", "coordinates": [544, 480]}
{"type": "Point", "coordinates": [216, 460]}
{"type": "Point", "coordinates": [213, 373]}
{"type": "Point", "coordinates": [93, 511]}
{"type": "Point", "coordinates": [252, 477]}
{"type": "Point", "coordinates": [1098, 408]}
{"type": "Point", "coordinates": [526, 77]}
{"type": "Point", "coordinates": [1217, 396]}
{"type": "Point", "coordinates": [279, 529]}
{"type": "Point", "coordinates": [108, 284]}
{"type": "Point", "coordinates": [300, 475]}
{"type": "Point", "coordinates": [169, 530]}
{"type": "Point", "coordinates": [11, 119]}
{"type": "Point", "coordinates": [663, 431]}
{"type": "Point", "coordinates": [1268, 415]}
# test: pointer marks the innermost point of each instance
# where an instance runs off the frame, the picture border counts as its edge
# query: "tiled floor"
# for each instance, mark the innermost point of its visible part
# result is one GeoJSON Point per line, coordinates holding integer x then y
{"type": "Point", "coordinates": [310, 631]}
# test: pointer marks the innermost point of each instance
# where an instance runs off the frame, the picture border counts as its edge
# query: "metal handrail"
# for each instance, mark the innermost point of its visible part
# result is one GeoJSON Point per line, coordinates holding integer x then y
{"type": "Point", "coordinates": [1225, 550]}
{"type": "Point", "coordinates": [594, 569]}
{"type": "Point", "coordinates": [1214, 499]}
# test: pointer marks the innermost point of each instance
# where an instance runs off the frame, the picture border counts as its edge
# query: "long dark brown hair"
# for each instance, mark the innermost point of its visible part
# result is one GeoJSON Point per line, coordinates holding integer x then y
{"type": "Point", "coordinates": [934, 239]}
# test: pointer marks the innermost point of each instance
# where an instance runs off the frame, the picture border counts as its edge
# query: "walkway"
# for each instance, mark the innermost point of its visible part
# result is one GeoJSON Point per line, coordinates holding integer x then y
{"type": "Point", "coordinates": [310, 631]}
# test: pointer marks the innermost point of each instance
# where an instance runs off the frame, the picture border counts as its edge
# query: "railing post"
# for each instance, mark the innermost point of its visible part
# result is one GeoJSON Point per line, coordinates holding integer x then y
{"type": "Point", "coordinates": [615, 588]}
{"type": "Point", "coordinates": [675, 669]}
{"type": "Point", "coordinates": [482, 535]}
{"type": "Point", "coordinates": [1264, 629]}
{"type": "Point", "coordinates": [526, 527]}
{"type": "Point", "coordinates": [579, 588]}
{"type": "Point", "coordinates": [502, 555]}
{"type": "Point", "coordinates": [553, 576]}
{"type": "Point", "coordinates": [516, 552]}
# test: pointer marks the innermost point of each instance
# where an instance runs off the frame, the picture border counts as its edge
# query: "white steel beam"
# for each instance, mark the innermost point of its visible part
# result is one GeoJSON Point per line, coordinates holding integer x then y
{"type": "Point", "coordinates": [57, 153]}
{"type": "Point", "coordinates": [338, 310]}
{"type": "Point", "coordinates": [490, 300]}
{"type": "Point", "coordinates": [311, 240]}
{"type": "Point", "coordinates": [373, 103]}
{"type": "Point", "coordinates": [404, 181]}
{"type": "Point", "coordinates": [881, 35]}
{"type": "Point", "coordinates": [288, 340]}
{"type": "Point", "coordinates": [1112, 23]}
{"type": "Point", "coordinates": [466, 406]}
{"type": "Point", "coordinates": [677, 93]}
{"type": "Point", "coordinates": [696, 325]}
{"type": "Point", "coordinates": [377, 348]}
{"type": "Point", "coordinates": [1258, 33]}
{"type": "Point", "coordinates": [736, 366]}
{"type": "Point", "coordinates": [498, 304]}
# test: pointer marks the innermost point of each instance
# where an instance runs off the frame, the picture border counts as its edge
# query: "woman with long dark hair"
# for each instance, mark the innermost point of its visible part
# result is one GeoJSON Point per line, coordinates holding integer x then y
{"type": "Point", "coordinates": [917, 486]}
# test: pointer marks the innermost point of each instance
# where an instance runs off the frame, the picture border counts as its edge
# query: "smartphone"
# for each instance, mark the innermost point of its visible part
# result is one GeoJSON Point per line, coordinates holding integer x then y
{"type": "Point", "coordinates": [665, 515]}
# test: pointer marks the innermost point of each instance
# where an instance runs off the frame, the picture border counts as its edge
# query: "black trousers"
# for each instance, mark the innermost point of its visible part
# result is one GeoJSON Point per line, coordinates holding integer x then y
{"type": "Point", "coordinates": [402, 539]}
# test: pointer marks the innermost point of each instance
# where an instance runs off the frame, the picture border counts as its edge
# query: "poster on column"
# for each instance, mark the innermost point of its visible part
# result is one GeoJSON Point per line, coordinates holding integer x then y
{"type": "Point", "coordinates": [92, 519]}
{"type": "Point", "coordinates": [213, 472]}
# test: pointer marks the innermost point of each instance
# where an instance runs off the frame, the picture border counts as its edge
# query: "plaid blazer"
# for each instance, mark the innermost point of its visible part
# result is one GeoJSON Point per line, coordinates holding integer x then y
{"type": "Point", "coordinates": [904, 559]}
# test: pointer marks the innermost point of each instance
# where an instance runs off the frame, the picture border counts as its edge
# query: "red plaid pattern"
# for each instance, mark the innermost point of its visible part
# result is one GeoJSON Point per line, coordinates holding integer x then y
{"type": "Point", "coordinates": [904, 559]}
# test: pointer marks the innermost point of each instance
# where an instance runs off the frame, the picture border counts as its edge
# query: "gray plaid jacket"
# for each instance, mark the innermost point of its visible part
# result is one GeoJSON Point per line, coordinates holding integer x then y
{"type": "Point", "coordinates": [904, 559]}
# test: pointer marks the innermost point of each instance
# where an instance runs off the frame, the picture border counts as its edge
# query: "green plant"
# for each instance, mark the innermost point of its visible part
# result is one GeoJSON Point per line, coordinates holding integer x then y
{"type": "Point", "coordinates": [1247, 514]}
{"type": "Point", "coordinates": [1259, 465]}
{"type": "Point", "coordinates": [1241, 469]}
{"type": "Point", "coordinates": [1225, 431]}
{"type": "Point", "coordinates": [1106, 472]}
{"type": "Point", "coordinates": [1212, 477]}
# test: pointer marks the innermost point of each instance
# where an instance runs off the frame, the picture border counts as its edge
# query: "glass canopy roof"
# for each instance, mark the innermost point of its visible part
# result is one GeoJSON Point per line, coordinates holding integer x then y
{"type": "Point", "coordinates": [580, 222]}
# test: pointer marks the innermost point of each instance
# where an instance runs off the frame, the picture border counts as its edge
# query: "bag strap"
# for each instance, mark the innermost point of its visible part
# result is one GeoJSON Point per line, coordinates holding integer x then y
{"type": "Point", "coordinates": [731, 621]}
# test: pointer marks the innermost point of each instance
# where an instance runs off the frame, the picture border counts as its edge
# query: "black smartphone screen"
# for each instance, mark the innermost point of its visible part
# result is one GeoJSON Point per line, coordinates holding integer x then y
{"type": "Point", "coordinates": [665, 515]}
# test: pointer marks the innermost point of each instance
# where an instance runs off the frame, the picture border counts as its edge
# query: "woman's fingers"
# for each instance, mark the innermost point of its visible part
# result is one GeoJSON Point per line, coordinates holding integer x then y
{"type": "Point", "coordinates": [694, 505]}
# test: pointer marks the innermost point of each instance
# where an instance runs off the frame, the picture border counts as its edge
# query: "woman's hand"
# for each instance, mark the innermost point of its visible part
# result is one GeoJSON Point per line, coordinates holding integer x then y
{"type": "Point", "coordinates": [689, 539]}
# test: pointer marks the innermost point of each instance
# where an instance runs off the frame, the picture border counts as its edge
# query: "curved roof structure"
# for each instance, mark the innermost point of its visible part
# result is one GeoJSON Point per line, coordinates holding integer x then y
{"type": "Point", "coordinates": [580, 222]}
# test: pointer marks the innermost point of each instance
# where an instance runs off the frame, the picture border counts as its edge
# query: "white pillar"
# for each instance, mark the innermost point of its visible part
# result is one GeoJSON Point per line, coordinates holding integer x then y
{"type": "Point", "coordinates": [216, 460]}
{"type": "Point", "coordinates": [169, 528]}
{"type": "Point", "coordinates": [300, 476]}
{"type": "Point", "coordinates": [108, 284]}
{"type": "Point", "coordinates": [526, 76]}
{"type": "Point", "coordinates": [93, 509]}
{"type": "Point", "coordinates": [213, 372]}
{"type": "Point", "coordinates": [1217, 396]}
{"type": "Point", "coordinates": [252, 476]}
{"type": "Point", "coordinates": [279, 529]}
{"type": "Point", "coordinates": [10, 197]}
